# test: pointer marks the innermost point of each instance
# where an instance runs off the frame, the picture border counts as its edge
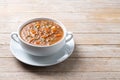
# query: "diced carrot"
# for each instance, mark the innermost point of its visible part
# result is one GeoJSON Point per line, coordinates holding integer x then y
{"type": "Point", "coordinates": [37, 42]}
{"type": "Point", "coordinates": [43, 36]}
{"type": "Point", "coordinates": [58, 35]}
{"type": "Point", "coordinates": [32, 31]}
{"type": "Point", "coordinates": [53, 29]}
{"type": "Point", "coordinates": [47, 30]}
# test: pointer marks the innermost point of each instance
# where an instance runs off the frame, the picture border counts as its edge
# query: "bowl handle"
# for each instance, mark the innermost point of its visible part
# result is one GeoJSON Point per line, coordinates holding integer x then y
{"type": "Point", "coordinates": [69, 36]}
{"type": "Point", "coordinates": [14, 36]}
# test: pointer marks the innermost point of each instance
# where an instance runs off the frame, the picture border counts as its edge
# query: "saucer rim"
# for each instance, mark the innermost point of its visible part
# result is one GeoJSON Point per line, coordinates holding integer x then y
{"type": "Point", "coordinates": [43, 65]}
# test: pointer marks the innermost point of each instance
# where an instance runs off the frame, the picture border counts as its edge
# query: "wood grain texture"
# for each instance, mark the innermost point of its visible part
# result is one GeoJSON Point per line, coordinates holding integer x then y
{"type": "Point", "coordinates": [96, 17]}
{"type": "Point", "coordinates": [60, 75]}
{"type": "Point", "coordinates": [96, 28]}
{"type": "Point", "coordinates": [70, 65]}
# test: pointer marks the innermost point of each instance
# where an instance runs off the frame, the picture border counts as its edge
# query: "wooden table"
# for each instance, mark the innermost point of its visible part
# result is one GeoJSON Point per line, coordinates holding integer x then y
{"type": "Point", "coordinates": [96, 28]}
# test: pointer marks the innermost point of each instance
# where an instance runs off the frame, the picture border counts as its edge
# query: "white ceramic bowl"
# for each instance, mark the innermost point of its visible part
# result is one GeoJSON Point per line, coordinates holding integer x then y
{"type": "Point", "coordinates": [42, 50]}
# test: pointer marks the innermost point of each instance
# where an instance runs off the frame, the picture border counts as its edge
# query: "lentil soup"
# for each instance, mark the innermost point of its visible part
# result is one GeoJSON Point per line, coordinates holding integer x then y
{"type": "Point", "coordinates": [42, 33]}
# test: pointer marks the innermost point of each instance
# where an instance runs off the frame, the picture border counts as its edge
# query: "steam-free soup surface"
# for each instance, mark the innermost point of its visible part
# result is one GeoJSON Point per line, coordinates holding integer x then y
{"type": "Point", "coordinates": [41, 33]}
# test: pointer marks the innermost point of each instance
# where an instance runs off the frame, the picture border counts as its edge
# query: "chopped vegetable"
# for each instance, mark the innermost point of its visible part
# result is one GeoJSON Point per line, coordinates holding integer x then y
{"type": "Point", "coordinates": [58, 35]}
{"type": "Point", "coordinates": [37, 42]}
{"type": "Point", "coordinates": [32, 31]}
{"type": "Point", "coordinates": [53, 29]}
{"type": "Point", "coordinates": [43, 36]}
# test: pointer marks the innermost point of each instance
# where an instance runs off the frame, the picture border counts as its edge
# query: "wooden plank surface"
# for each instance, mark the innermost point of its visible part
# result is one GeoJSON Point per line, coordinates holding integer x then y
{"type": "Point", "coordinates": [60, 75]}
{"type": "Point", "coordinates": [96, 28]}
{"type": "Point", "coordinates": [81, 51]}
{"type": "Point", "coordinates": [98, 17]}
{"type": "Point", "coordinates": [70, 65]}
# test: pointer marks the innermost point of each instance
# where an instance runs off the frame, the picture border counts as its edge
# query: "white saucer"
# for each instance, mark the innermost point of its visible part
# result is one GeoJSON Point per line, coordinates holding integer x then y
{"type": "Point", "coordinates": [26, 58]}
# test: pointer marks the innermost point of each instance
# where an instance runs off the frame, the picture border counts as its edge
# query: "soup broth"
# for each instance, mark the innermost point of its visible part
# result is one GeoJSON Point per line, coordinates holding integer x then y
{"type": "Point", "coordinates": [42, 33]}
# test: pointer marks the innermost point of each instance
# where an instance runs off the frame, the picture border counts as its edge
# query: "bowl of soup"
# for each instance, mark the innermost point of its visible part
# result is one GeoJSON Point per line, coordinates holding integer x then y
{"type": "Point", "coordinates": [42, 36]}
